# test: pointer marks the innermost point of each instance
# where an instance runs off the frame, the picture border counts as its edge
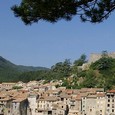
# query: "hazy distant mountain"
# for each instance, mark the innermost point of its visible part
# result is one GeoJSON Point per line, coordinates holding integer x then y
{"type": "Point", "coordinates": [9, 70]}
{"type": "Point", "coordinates": [7, 64]}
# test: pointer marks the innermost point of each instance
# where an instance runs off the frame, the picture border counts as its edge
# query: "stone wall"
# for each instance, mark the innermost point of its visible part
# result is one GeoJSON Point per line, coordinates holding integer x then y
{"type": "Point", "coordinates": [96, 56]}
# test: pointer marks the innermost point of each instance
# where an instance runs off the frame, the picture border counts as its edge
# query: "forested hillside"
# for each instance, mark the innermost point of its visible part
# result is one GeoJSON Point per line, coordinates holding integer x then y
{"type": "Point", "coordinates": [98, 74]}
{"type": "Point", "coordinates": [10, 71]}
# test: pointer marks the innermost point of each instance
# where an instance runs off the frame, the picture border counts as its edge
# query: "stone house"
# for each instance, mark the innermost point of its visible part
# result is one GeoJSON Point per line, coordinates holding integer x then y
{"type": "Point", "coordinates": [19, 106]}
{"type": "Point", "coordinates": [45, 104]}
{"type": "Point", "coordinates": [43, 88]}
{"type": "Point", "coordinates": [101, 103]}
{"type": "Point", "coordinates": [6, 106]}
{"type": "Point", "coordinates": [7, 86]}
{"type": "Point", "coordinates": [60, 109]}
{"type": "Point", "coordinates": [110, 102]}
{"type": "Point", "coordinates": [53, 93]}
{"type": "Point", "coordinates": [75, 105]}
{"type": "Point", "coordinates": [32, 100]}
{"type": "Point", "coordinates": [94, 104]}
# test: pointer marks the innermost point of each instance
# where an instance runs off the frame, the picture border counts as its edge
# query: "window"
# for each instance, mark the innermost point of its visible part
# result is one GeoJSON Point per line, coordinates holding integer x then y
{"type": "Point", "coordinates": [83, 105]}
{"type": "Point", "coordinates": [100, 110]}
{"type": "Point", "coordinates": [108, 96]}
{"type": "Point", "coordinates": [108, 105]}
{"type": "Point", "coordinates": [108, 100]}
{"type": "Point", "coordinates": [112, 105]}
{"type": "Point", "coordinates": [62, 99]}
{"type": "Point", "coordinates": [112, 110]}
{"type": "Point", "coordinates": [90, 110]}
{"type": "Point", "coordinates": [8, 111]}
{"type": "Point", "coordinates": [49, 112]}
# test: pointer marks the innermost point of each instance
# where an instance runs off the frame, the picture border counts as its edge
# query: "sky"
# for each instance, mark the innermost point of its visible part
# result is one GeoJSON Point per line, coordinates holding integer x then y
{"type": "Point", "coordinates": [44, 44]}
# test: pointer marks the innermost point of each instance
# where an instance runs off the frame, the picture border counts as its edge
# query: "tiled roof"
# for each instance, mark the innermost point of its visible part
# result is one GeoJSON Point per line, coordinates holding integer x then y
{"type": "Point", "coordinates": [111, 91]}
{"type": "Point", "coordinates": [19, 99]}
{"type": "Point", "coordinates": [6, 99]}
{"type": "Point", "coordinates": [49, 98]}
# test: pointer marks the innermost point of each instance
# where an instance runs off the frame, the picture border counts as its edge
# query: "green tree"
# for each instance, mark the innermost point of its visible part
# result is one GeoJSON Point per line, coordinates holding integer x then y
{"type": "Point", "coordinates": [80, 61]}
{"type": "Point", "coordinates": [17, 87]}
{"type": "Point", "coordinates": [104, 63]}
{"type": "Point", "coordinates": [66, 84]}
{"type": "Point", "coordinates": [90, 79]}
{"type": "Point", "coordinates": [106, 68]}
{"type": "Point", "coordinates": [62, 68]}
{"type": "Point", "coordinates": [94, 11]}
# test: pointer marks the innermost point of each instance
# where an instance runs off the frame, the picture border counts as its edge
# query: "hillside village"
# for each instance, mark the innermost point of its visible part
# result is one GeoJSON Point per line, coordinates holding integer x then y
{"type": "Point", "coordinates": [37, 98]}
{"type": "Point", "coordinates": [74, 85]}
{"type": "Point", "coordinates": [88, 92]}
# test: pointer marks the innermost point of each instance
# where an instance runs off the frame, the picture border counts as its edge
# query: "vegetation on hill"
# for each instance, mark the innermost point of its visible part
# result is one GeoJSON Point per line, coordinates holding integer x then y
{"type": "Point", "coordinates": [99, 74]}
{"type": "Point", "coordinates": [10, 72]}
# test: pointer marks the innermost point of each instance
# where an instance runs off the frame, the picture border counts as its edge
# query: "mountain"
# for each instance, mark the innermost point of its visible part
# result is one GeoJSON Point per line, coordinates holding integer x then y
{"type": "Point", "coordinates": [9, 70]}
{"type": "Point", "coordinates": [22, 68]}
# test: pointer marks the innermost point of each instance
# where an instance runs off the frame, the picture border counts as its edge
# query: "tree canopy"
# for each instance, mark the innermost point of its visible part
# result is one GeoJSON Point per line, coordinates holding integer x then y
{"type": "Point", "coordinates": [80, 61]}
{"type": "Point", "coordinates": [95, 11]}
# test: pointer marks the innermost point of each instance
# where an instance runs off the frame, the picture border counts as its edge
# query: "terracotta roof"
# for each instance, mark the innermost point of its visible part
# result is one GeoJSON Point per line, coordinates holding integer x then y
{"type": "Point", "coordinates": [78, 97]}
{"type": "Point", "coordinates": [83, 94]}
{"type": "Point", "coordinates": [65, 96]}
{"type": "Point", "coordinates": [49, 98]}
{"type": "Point", "coordinates": [69, 91]}
{"type": "Point", "coordinates": [76, 91]}
{"type": "Point", "coordinates": [5, 99]}
{"type": "Point", "coordinates": [18, 100]}
{"type": "Point", "coordinates": [111, 91]}
{"type": "Point", "coordinates": [52, 91]}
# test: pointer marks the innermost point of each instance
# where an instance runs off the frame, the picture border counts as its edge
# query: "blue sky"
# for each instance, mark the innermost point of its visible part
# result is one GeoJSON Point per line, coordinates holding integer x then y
{"type": "Point", "coordinates": [44, 44]}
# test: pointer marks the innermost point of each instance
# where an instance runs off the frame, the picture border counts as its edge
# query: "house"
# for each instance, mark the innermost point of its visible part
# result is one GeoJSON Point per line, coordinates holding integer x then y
{"type": "Point", "coordinates": [60, 109]}
{"type": "Point", "coordinates": [75, 105]}
{"type": "Point", "coordinates": [110, 103]}
{"type": "Point", "coordinates": [43, 88]}
{"type": "Point", "coordinates": [5, 106]}
{"type": "Point", "coordinates": [101, 103]}
{"type": "Point", "coordinates": [20, 84]}
{"type": "Point", "coordinates": [32, 100]}
{"type": "Point", "coordinates": [45, 105]}
{"type": "Point", "coordinates": [20, 103]}
{"type": "Point", "coordinates": [7, 86]}
{"type": "Point", "coordinates": [19, 106]}
{"type": "Point", "coordinates": [53, 92]}
{"type": "Point", "coordinates": [94, 104]}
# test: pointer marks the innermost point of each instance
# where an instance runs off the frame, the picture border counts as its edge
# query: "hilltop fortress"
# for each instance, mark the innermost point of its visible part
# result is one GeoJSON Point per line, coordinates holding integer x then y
{"type": "Point", "coordinates": [93, 58]}
{"type": "Point", "coordinates": [96, 56]}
